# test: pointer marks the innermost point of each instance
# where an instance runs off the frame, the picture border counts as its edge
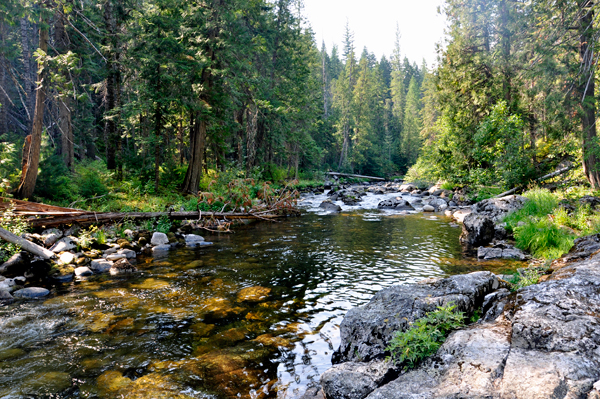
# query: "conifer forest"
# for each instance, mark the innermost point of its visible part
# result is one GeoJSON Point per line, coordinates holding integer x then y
{"type": "Point", "coordinates": [162, 93]}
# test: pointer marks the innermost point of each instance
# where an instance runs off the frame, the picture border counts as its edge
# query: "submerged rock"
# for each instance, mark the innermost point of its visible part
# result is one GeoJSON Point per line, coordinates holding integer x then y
{"type": "Point", "coordinates": [253, 294]}
{"type": "Point", "coordinates": [122, 266]}
{"type": "Point", "coordinates": [31, 293]}
{"type": "Point", "coordinates": [395, 203]}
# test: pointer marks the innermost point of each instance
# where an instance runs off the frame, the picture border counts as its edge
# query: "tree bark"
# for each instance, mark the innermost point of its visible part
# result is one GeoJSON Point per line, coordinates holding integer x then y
{"type": "Point", "coordinates": [197, 142]}
{"type": "Point", "coordinates": [28, 83]}
{"type": "Point", "coordinates": [4, 100]}
{"type": "Point", "coordinates": [64, 112]}
{"type": "Point", "coordinates": [586, 86]}
{"type": "Point", "coordinates": [31, 158]}
{"type": "Point", "coordinates": [113, 93]}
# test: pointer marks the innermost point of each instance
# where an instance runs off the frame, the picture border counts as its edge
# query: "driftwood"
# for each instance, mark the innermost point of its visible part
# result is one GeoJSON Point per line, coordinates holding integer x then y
{"type": "Point", "coordinates": [541, 179]}
{"type": "Point", "coordinates": [114, 216]}
{"type": "Point", "coordinates": [356, 176]}
{"type": "Point", "coordinates": [26, 245]}
{"type": "Point", "coordinates": [34, 208]}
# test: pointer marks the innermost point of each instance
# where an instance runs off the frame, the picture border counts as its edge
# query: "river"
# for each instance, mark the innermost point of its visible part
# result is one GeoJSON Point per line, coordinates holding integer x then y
{"type": "Point", "coordinates": [256, 315]}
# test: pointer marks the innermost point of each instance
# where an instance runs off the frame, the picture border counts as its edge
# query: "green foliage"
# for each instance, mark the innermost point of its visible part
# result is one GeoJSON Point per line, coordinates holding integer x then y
{"type": "Point", "coordinates": [16, 225]}
{"type": "Point", "coordinates": [89, 179]}
{"type": "Point", "coordinates": [9, 162]}
{"type": "Point", "coordinates": [163, 224]}
{"type": "Point", "coordinates": [543, 239]}
{"type": "Point", "coordinates": [529, 276]}
{"type": "Point", "coordinates": [100, 236]}
{"type": "Point", "coordinates": [54, 180]}
{"type": "Point", "coordinates": [541, 203]}
{"type": "Point", "coordinates": [425, 336]}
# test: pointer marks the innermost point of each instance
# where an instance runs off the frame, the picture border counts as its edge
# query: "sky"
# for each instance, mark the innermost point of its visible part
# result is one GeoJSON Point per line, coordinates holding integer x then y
{"type": "Point", "coordinates": [374, 25]}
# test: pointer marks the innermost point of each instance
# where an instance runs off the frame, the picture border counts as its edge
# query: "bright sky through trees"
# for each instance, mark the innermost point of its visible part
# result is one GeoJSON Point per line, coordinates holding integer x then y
{"type": "Point", "coordinates": [374, 25]}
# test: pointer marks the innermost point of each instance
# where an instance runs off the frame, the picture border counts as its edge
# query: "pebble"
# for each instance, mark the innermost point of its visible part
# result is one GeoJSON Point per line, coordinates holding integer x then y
{"type": "Point", "coordinates": [31, 293]}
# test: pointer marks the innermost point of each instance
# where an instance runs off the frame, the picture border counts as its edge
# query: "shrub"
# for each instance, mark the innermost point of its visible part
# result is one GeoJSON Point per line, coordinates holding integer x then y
{"type": "Point", "coordinates": [54, 181]}
{"type": "Point", "coordinates": [163, 224]}
{"type": "Point", "coordinates": [425, 336]}
{"type": "Point", "coordinates": [89, 180]}
{"type": "Point", "coordinates": [544, 239]}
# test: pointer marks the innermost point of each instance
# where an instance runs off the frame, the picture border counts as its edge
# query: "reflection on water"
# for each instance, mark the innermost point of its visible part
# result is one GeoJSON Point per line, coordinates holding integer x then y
{"type": "Point", "coordinates": [254, 316]}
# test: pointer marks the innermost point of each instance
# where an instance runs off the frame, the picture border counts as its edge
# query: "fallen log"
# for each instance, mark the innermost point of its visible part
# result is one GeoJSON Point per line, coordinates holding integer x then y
{"type": "Point", "coordinates": [539, 180]}
{"type": "Point", "coordinates": [356, 176]}
{"type": "Point", "coordinates": [114, 216]}
{"type": "Point", "coordinates": [26, 245]}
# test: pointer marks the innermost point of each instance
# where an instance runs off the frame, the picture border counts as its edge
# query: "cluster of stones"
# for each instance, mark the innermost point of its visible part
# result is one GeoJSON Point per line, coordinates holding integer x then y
{"type": "Point", "coordinates": [539, 342]}
{"type": "Point", "coordinates": [117, 256]}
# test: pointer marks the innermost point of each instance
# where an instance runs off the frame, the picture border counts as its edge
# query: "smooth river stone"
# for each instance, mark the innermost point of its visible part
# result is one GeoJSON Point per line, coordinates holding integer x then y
{"type": "Point", "coordinates": [159, 239]}
{"type": "Point", "coordinates": [66, 258]}
{"type": "Point", "coordinates": [101, 265]}
{"type": "Point", "coordinates": [31, 293]}
{"type": "Point", "coordinates": [64, 244]}
{"type": "Point", "coordinates": [83, 271]}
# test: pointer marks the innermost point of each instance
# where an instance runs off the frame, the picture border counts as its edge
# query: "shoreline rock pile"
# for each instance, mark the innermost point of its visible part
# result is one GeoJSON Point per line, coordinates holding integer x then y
{"type": "Point", "coordinates": [80, 257]}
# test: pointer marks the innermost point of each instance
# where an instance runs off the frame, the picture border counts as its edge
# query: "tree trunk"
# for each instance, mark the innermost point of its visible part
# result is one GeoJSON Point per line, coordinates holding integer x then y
{"type": "Point", "coordinates": [29, 83]}
{"type": "Point", "coordinates": [64, 112]}
{"type": "Point", "coordinates": [31, 158]}
{"type": "Point", "coordinates": [4, 100]}
{"type": "Point", "coordinates": [113, 93]}
{"type": "Point", "coordinates": [194, 171]}
{"type": "Point", "coordinates": [157, 143]}
{"type": "Point", "coordinates": [591, 162]}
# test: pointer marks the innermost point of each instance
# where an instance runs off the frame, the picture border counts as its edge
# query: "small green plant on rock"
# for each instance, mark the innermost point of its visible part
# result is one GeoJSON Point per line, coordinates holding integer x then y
{"type": "Point", "coordinates": [425, 336]}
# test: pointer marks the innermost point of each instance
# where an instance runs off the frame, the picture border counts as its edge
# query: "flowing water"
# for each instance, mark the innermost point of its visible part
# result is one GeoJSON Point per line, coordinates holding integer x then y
{"type": "Point", "coordinates": [254, 316]}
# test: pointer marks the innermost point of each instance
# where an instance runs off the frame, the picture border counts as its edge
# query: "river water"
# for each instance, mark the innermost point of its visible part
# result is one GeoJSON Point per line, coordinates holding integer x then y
{"type": "Point", "coordinates": [256, 315]}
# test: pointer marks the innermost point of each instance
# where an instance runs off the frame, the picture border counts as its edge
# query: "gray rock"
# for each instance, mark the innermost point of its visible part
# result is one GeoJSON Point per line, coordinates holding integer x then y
{"type": "Point", "coordinates": [159, 239]}
{"type": "Point", "coordinates": [366, 331]}
{"type": "Point", "coordinates": [439, 204]}
{"type": "Point", "coordinates": [21, 280]}
{"type": "Point", "coordinates": [498, 208]}
{"type": "Point", "coordinates": [513, 253]}
{"type": "Point", "coordinates": [64, 244]}
{"type": "Point", "coordinates": [83, 271]}
{"type": "Point", "coordinates": [110, 251]}
{"type": "Point", "coordinates": [65, 278]}
{"type": "Point", "coordinates": [489, 253]}
{"type": "Point", "coordinates": [129, 253]}
{"type": "Point", "coordinates": [408, 187]}
{"type": "Point", "coordinates": [51, 239]}
{"type": "Point", "coordinates": [113, 257]}
{"type": "Point", "coordinates": [329, 206]}
{"type": "Point", "coordinates": [192, 240]}
{"type": "Point", "coordinates": [396, 203]}
{"type": "Point", "coordinates": [31, 293]}
{"type": "Point", "coordinates": [428, 208]}
{"type": "Point", "coordinates": [478, 230]}
{"type": "Point", "coordinates": [17, 265]}
{"type": "Point", "coordinates": [5, 297]}
{"type": "Point", "coordinates": [101, 265]}
{"type": "Point", "coordinates": [543, 342]}
{"type": "Point", "coordinates": [122, 266]}
{"type": "Point", "coordinates": [8, 284]}
{"type": "Point", "coordinates": [356, 380]}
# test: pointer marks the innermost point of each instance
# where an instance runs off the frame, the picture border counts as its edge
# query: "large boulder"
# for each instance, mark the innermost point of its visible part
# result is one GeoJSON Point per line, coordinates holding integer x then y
{"type": "Point", "coordinates": [159, 238]}
{"type": "Point", "coordinates": [498, 208]}
{"type": "Point", "coordinates": [478, 230]}
{"type": "Point", "coordinates": [366, 331]}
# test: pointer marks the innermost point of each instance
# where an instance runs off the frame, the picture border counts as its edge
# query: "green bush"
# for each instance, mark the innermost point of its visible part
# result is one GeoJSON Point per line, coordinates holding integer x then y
{"type": "Point", "coordinates": [54, 180]}
{"type": "Point", "coordinates": [89, 180]}
{"type": "Point", "coordinates": [425, 336]}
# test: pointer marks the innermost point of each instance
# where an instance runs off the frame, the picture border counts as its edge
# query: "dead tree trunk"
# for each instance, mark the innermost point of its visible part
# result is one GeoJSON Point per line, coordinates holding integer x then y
{"type": "Point", "coordinates": [31, 158]}
{"type": "Point", "coordinates": [29, 83]}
